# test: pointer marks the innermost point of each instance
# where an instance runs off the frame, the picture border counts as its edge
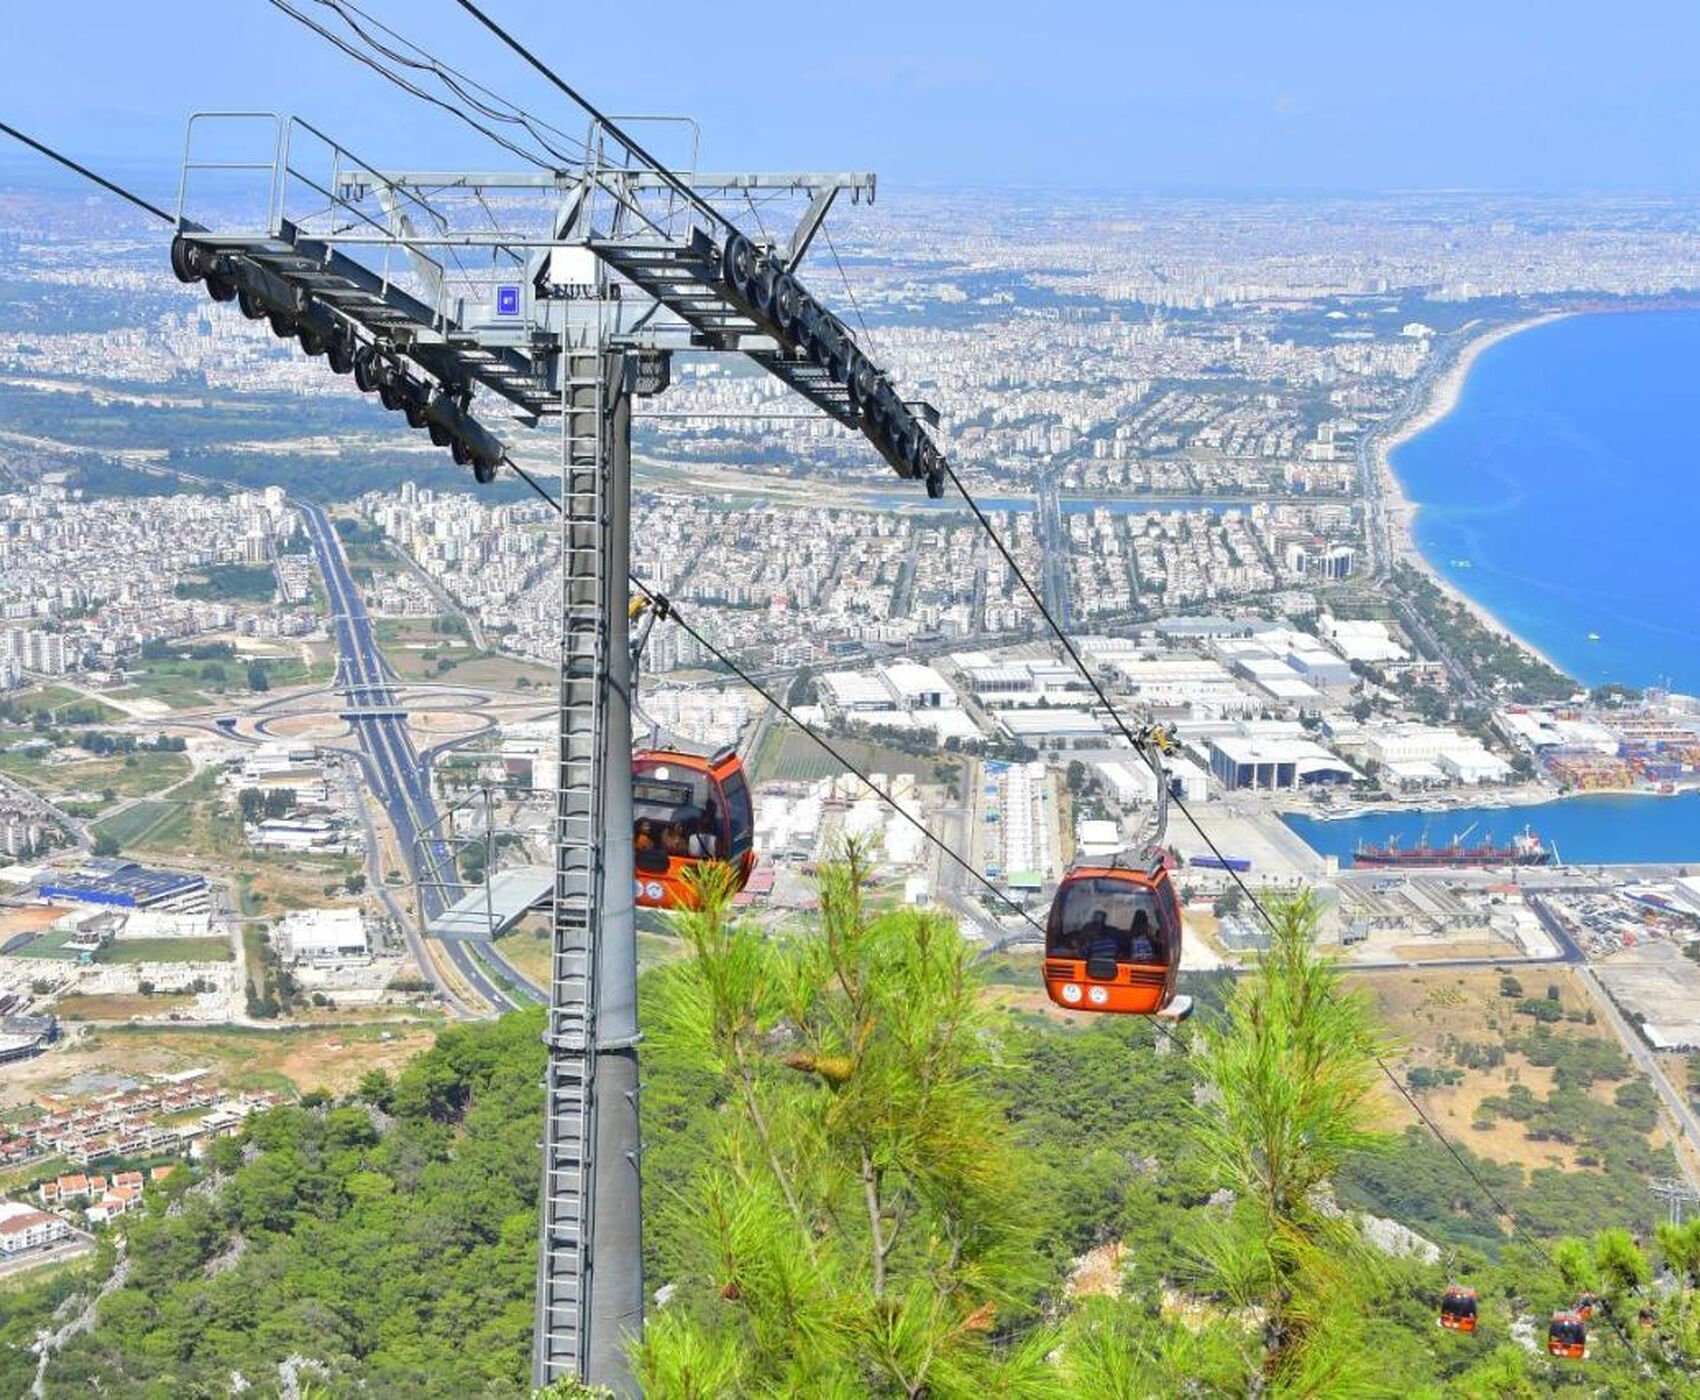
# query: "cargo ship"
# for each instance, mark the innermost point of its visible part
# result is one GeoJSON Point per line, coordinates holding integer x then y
{"type": "Point", "coordinates": [1525, 849]}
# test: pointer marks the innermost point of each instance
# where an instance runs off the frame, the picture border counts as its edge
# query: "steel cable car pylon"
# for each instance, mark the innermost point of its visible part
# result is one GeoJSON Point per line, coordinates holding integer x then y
{"type": "Point", "coordinates": [571, 317]}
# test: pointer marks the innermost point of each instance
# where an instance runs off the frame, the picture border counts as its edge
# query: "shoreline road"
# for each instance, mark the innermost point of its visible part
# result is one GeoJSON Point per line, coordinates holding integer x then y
{"type": "Point", "coordinates": [399, 778]}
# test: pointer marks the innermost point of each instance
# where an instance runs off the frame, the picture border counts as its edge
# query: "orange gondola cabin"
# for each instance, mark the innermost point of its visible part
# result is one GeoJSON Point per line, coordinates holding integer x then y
{"type": "Point", "coordinates": [1567, 1336]}
{"type": "Point", "coordinates": [1458, 1310]}
{"type": "Point", "coordinates": [688, 810]}
{"type": "Point", "coordinates": [1113, 941]}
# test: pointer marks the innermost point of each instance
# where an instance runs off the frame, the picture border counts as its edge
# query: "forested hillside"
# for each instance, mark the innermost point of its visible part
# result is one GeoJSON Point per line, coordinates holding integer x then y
{"type": "Point", "coordinates": [388, 1240]}
{"type": "Point", "coordinates": [865, 1177]}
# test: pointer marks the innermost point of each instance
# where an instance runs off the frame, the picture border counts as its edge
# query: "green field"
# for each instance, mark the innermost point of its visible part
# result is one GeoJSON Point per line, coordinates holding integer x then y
{"type": "Point", "coordinates": [165, 950]}
{"type": "Point", "coordinates": [173, 688]}
{"type": "Point", "coordinates": [135, 821]}
{"type": "Point", "coordinates": [436, 649]}
{"type": "Point", "coordinates": [186, 684]}
{"type": "Point", "coordinates": [50, 700]}
{"type": "Point", "coordinates": [197, 824]}
{"type": "Point", "coordinates": [176, 831]}
{"type": "Point", "coordinates": [133, 775]}
{"type": "Point", "coordinates": [50, 944]}
{"type": "Point", "coordinates": [786, 754]}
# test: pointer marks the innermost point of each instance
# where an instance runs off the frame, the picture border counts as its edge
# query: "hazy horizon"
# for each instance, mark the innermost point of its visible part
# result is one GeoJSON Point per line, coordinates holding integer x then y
{"type": "Point", "coordinates": [1226, 98]}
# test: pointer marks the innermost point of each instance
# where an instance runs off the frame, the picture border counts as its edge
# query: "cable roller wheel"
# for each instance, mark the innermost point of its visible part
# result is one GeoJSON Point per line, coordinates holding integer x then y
{"type": "Point", "coordinates": [824, 343]}
{"type": "Point", "coordinates": [220, 287]}
{"type": "Point", "coordinates": [414, 409]}
{"type": "Point", "coordinates": [365, 369]}
{"type": "Point", "coordinates": [915, 451]}
{"type": "Point", "coordinates": [786, 299]}
{"type": "Point", "coordinates": [844, 360]}
{"type": "Point", "coordinates": [737, 263]}
{"type": "Point", "coordinates": [864, 383]}
{"type": "Point", "coordinates": [186, 260]}
{"type": "Point", "coordinates": [311, 341]}
{"type": "Point", "coordinates": [283, 324]}
{"type": "Point", "coordinates": [250, 304]}
{"type": "Point", "coordinates": [927, 461]}
{"type": "Point", "coordinates": [763, 279]}
{"type": "Point", "coordinates": [339, 354]}
{"type": "Point", "coordinates": [807, 322]}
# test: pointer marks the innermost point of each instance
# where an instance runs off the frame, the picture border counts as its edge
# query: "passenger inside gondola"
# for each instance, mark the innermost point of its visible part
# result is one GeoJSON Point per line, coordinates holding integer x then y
{"type": "Point", "coordinates": [1142, 946]}
{"type": "Point", "coordinates": [665, 815]}
{"type": "Point", "coordinates": [705, 840]}
{"type": "Point", "coordinates": [1108, 920]}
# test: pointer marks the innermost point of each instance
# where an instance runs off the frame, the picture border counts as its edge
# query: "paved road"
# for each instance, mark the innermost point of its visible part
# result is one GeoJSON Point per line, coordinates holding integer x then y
{"type": "Point", "coordinates": [79, 830]}
{"type": "Point", "coordinates": [398, 777]}
{"type": "Point", "coordinates": [1687, 1122]}
{"type": "Point", "coordinates": [74, 1248]}
{"type": "Point", "coordinates": [444, 599]}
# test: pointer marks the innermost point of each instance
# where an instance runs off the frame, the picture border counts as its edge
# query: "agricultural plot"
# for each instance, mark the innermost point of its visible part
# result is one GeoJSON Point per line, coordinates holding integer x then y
{"type": "Point", "coordinates": [166, 950]}
{"type": "Point", "coordinates": [134, 822]}
{"type": "Point", "coordinates": [787, 755]}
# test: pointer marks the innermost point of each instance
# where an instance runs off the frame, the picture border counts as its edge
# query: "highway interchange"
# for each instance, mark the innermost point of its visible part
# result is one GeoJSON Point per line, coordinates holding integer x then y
{"type": "Point", "coordinates": [397, 775]}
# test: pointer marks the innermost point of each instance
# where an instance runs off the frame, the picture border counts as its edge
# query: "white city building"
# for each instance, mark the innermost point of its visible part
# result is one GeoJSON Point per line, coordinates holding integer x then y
{"type": "Point", "coordinates": [323, 937]}
{"type": "Point", "coordinates": [24, 1227]}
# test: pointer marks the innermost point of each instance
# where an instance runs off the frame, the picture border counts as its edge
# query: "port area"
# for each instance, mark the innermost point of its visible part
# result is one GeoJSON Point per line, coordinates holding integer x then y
{"type": "Point", "coordinates": [1437, 915]}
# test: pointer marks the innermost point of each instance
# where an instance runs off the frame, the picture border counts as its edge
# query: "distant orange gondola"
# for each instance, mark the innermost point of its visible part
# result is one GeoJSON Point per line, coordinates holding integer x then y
{"type": "Point", "coordinates": [1458, 1310]}
{"type": "Point", "coordinates": [688, 810]}
{"type": "Point", "coordinates": [1567, 1336]}
{"type": "Point", "coordinates": [1113, 941]}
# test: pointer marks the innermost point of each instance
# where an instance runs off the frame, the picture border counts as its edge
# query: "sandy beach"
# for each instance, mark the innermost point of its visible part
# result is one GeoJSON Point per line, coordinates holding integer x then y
{"type": "Point", "coordinates": [1401, 511]}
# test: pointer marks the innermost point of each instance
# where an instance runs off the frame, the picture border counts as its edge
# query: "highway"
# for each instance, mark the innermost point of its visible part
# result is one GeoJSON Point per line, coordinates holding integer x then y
{"type": "Point", "coordinates": [399, 779]}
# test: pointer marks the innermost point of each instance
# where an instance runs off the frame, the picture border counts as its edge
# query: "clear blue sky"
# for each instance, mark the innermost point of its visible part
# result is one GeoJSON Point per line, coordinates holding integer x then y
{"type": "Point", "coordinates": [1140, 94]}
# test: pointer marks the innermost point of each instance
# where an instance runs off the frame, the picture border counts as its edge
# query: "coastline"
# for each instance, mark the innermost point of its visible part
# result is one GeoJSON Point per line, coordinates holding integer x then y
{"type": "Point", "coordinates": [1401, 511]}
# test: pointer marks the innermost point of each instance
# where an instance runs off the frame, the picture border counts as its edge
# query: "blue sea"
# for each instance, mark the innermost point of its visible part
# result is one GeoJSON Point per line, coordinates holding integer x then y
{"type": "Point", "coordinates": [1597, 829]}
{"type": "Point", "coordinates": [1561, 493]}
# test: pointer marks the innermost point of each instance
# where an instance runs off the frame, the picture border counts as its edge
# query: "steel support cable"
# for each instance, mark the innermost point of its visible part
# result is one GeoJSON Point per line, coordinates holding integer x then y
{"type": "Point", "coordinates": [330, 37]}
{"type": "Point", "coordinates": [850, 292]}
{"type": "Point", "coordinates": [453, 78]}
{"type": "Point", "coordinates": [782, 708]}
{"type": "Point", "coordinates": [435, 101]}
{"type": "Point", "coordinates": [690, 196]}
{"type": "Point", "coordinates": [1155, 763]}
{"type": "Point", "coordinates": [424, 60]}
{"type": "Point", "coordinates": [755, 213]}
{"type": "Point", "coordinates": [86, 173]}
